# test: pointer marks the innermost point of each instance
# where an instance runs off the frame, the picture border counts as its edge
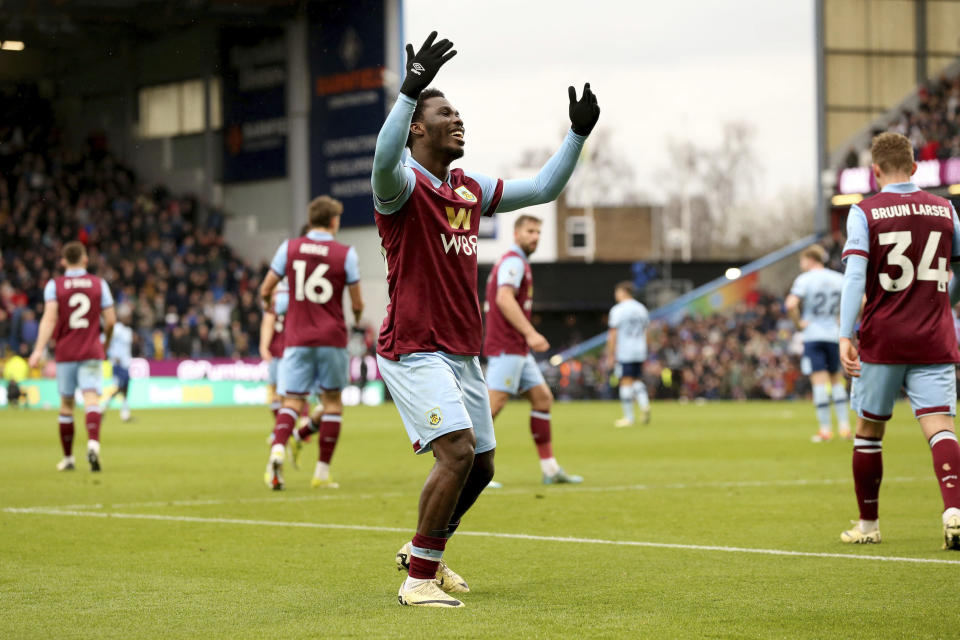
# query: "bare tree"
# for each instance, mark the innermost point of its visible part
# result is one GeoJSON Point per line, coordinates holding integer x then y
{"type": "Point", "coordinates": [713, 208]}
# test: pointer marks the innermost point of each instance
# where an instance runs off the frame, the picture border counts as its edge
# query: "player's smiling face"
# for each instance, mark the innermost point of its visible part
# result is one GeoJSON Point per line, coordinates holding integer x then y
{"type": "Point", "coordinates": [443, 127]}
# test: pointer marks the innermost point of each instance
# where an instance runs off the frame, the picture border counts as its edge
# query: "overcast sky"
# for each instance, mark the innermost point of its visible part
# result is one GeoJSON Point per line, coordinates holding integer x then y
{"type": "Point", "coordinates": [675, 69]}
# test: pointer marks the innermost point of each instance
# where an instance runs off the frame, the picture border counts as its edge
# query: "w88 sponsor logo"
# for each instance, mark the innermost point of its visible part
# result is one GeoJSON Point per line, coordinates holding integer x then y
{"type": "Point", "coordinates": [466, 244]}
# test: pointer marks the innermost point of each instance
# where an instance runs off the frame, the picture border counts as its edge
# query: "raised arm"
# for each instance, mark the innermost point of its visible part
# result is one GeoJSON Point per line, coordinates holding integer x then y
{"type": "Point", "coordinates": [391, 182]}
{"type": "Point", "coordinates": [553, 177]}
{"type": "Point", "coordinates": [389, 179]}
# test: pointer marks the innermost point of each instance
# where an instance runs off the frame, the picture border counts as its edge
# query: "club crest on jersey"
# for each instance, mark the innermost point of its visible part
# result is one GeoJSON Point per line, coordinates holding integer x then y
{"type": "Point", "coordinates": [434, 417]}
{"type": "Point", "coordinates": [465, 193]}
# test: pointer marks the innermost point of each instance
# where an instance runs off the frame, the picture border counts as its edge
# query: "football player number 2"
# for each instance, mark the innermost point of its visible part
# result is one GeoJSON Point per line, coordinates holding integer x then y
{"type": "Point", "coordinates": [314, 287]}
{"type": "Point", "coordinates": [80, 303]}
{"type": "Point", "coordinates": [924, 271]}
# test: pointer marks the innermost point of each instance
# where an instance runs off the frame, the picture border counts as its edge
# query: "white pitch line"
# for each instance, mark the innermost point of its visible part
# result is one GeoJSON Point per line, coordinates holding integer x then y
{"type": "Point", "coordinates": [480, 534]}
{"type": "Point", "coordinates": [744, 484]}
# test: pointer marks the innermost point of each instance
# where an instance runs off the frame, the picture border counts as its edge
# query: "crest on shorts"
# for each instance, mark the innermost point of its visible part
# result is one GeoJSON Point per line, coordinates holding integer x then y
{"type": "Point", "coordinates": [434, 417]}
{"type": "Point", "coordinates": [465, 193]}
{"type": "Point", "coordinates": [509, 382]}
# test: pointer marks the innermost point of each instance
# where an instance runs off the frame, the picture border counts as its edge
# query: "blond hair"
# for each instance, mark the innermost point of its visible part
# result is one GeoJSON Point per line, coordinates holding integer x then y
{"type": "Point", "coordinates": [815, 252]}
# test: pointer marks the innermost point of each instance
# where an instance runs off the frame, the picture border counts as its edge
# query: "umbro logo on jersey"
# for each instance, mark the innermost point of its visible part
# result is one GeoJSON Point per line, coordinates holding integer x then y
{"type": "Point", "coordinates": [465, 193]}
{"type": "Point", "coordinates": [417, 68]}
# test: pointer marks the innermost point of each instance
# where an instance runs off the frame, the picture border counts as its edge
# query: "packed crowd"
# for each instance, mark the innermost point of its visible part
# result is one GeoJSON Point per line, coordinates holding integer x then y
{"type": "Point", "coordinates": [750, 353]}
{"type": "Point", "coordinates": [933, 127]}
{"type": "Point", "coordinates": [175, 281]}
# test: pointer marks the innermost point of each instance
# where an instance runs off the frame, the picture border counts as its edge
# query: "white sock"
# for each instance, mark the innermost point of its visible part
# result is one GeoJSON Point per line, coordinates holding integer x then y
{"type": "Point", "coordinates": [93, 445]}
{"type": "Point", "coordinates": [322, 471]}
{"type": "Point", "coordinates": [869, 526]}
{"type": "Point", "coordinates": [278, 452]}
{"type": "Point", "coordinates": [549, 466]}
{"type": "Point", "coordinates": [821, 402]}
{"type": "Point", "coordinates": [640, 392]}
{"type": "Point", "coordinates": [126, 405]}
{"type": "Point", "coordinates": [626, 401]}
{"type": "Point", "coordinates": [949, 513]}
{"type": "Point", "coordinates": [413, 583]}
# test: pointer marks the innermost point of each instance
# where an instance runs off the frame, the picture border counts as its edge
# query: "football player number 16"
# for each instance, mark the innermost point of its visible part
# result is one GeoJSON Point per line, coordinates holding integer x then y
{"type": "Point", "coordinates": [924, 271]}
{"type": "Point", "coordinates": [314, 287]}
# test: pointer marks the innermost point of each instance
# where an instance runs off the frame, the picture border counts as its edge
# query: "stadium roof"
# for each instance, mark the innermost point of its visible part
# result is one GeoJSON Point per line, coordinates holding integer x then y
{"type": "Point", "coordinates": [55, 24]}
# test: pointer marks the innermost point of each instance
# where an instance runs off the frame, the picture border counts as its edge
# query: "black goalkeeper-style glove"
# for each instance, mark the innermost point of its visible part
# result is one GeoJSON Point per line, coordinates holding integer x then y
{"type": "Point", "coordinates": [423, 66]}
{"type": "Point", "coordinates": [585, 112]}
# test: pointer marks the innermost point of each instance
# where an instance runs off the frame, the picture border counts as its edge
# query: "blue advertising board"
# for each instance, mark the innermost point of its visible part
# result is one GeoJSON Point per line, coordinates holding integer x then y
{"type": "Point", "coordinates": [254, 103]}
{"type": "Point", "coordinates": [347, 56]}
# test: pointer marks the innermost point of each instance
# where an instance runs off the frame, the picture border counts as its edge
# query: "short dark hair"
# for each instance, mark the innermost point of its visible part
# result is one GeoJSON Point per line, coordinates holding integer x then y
{"type": "Point", "coordinates": [524, 219]}
{"type": "Point", "coordinates": [322, 211]}
{"type": "Point", "coordinates": [627, 287]}
{"type": "Point", "coordinates": [73, 252]}
{"type": "Point", "coordinates": [426, 94]}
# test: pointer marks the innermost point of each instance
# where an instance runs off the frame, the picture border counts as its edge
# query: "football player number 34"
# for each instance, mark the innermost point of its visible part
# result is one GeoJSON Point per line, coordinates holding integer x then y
{"type": "Point", "coordinates": [924, 271]}
{"type": "Point", "coordinates": [314, 287]}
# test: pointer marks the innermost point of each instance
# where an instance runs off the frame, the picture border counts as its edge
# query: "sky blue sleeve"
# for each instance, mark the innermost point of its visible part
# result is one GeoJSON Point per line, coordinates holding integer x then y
{"type": "Point", "coordinates": [392, 182]}
{"type": "Point", "coordinates": [955, 251]}
{"type": "Point", "coordinates": [549, 182]}
{"type": "Point", "coordinates": [854, 283]}
{"type": "Point", "coordinates": [50, 291]}
{"type": "Point", "coordinates": [279, 263]}
{"type": "Point", "coordinates": [352, 266]}
{"type": "Point", "coordinates": [613, 320]}
{"type": "Point", "coordinates": [106, 299]}
{"type": "Point", "coordinates": [280, 303]}
{"type": "Point", "coordinates": [488, 186]}
{"type": "Point", "coordinates": [798, 289]}
{"type": "Point", "coordinates": [858, 234]}
{"type": "Point", "coordinates": [510, 272]}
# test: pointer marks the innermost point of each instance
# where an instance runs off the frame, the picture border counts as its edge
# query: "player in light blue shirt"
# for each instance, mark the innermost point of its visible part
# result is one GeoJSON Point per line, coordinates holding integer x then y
{"type": "Point", "coordinates": [814, 306]}
{"type": "Point", "coordinates": [120, 355]}
{"type": "Point", "coordinates": [627, 346]}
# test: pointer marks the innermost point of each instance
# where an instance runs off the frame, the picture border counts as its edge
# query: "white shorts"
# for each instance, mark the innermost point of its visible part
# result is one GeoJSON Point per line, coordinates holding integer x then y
{"type": "Point", "coordinates": [85, 374]}
{"type": "Point", "coordinates": [437, 393]}
{"type": "Point", "coordinates": [513, 373]}
{"type": "Point", "coordinates": [932, 389]}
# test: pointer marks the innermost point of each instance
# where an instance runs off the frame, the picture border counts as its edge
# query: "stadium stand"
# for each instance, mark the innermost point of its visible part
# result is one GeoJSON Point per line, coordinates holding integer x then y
{"type": "Point", "coordinates": [933, 126]}
{"type": "Point", "coordinates": [187, 292]}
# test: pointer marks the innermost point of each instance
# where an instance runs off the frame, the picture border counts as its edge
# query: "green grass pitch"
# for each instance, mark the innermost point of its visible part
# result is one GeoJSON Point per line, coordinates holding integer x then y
{"type": "Point", "coordinates": [205, 551]}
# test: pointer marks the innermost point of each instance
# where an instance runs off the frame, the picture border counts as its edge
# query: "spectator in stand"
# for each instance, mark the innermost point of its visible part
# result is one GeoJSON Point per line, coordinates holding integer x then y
{"type": "Point", "coordinates": [160, 256]}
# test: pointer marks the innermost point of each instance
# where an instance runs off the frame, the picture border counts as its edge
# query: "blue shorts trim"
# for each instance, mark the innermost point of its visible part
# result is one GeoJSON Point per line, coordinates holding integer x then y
{"type": "Point", "coordinates": [303, 370]}
{"type": "Point", "coordinates": [819, 355]}
{"type": "Point", "coordinates": [513, 373]}
{"type": "Point", "coordinates": [437, 393]}
{"type": "Point", "coordinates": [932, 389]}
{"type": "Point", "coordinates": [273, 367]}
{"type": "Point", "coordinates": [85, 375]}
